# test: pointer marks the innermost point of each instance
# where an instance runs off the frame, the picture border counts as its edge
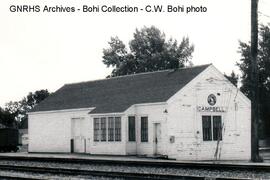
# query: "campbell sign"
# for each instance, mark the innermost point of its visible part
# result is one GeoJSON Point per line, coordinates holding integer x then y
{"type": "Point", "coordinates": [210, 109]}
{"type": "Point", "coordinates": [211, 99]}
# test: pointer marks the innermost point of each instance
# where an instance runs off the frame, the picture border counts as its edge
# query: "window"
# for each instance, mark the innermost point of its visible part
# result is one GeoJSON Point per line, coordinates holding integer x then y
{"type": "Point", "coordinates": [144, 129]}
{"type": "Point", "coordinates": [110, 129]}
{"type": "Point", "coordinates": [103, 129]}
{"type": "Point", "coordinates": [207, 130]}
{"type": "Point", "coordinates": [96, 129]}
{"type": "Point", "coordinates": [217, 128]}
{"type": "Point", "coordinates": [212, 128]}
{"type": "Point", "coordinates": [113, 127]}
{"type": "Point", "coordinates": [117, 129]}
{"type": "Point", "coordinates": [131, 128]}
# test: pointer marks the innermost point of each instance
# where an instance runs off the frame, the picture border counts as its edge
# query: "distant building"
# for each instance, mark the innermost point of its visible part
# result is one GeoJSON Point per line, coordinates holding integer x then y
{"type": "Point", "coordinates": [187, 114]}
{"type": "Point", "coordinates": [23, 132]}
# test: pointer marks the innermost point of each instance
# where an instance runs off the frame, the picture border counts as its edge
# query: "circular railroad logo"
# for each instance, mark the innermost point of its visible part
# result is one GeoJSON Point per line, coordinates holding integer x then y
{"type": "Point", "coordinates": [212, 99]}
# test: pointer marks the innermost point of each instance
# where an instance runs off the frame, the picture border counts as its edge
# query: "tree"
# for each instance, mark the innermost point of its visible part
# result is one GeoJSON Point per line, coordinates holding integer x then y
{"type": "Point", "coordinates": [6, 118]}
{"type": "Point", "coordinates": [35, 98]}
{"type": "Point", "coordinates": [263, 73]}
{"type": "Point", "coordinates": [19, 109]}
{"type": "Point", "coordinates": [233, 78]}
{"type": "Point", "coordinates": [148, 51]}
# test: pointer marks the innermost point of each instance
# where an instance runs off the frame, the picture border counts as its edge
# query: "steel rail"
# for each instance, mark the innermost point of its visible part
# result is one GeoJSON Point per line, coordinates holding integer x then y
{"type": "Point", "coordinates": [147, 163]}
{"type": "Point", "coordinates": [95, 173]}
{"type": "Point", "coordinates": [3, 177]}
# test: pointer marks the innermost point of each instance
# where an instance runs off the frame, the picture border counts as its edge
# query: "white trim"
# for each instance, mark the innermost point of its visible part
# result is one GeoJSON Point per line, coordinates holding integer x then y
{"type": "Point", "coordinates": [97, 114]}
{"type": "Point", "coordinates": [150, 104]}
{"type": "Point", "coordinates": [145, 104]}
{"type": "Point", "coordinates": [107, 114]}
{"type": "Point", "coordinates": [77, 118]}
{"type": "Point", "coordinates": [62, 110]}
{"type": "Point", "coordinates": [123, 113]}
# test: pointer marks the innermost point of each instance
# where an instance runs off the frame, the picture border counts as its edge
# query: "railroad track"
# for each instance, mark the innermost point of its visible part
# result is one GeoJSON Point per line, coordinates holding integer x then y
{"type": "Point", "coordinates": [159, 164]}
{"type": "Point", "coordinates": [13, 177]}
{"type": "Point", "coordinates": [146, 163]}
{"type": "Point", "coordinates": [111, 174]}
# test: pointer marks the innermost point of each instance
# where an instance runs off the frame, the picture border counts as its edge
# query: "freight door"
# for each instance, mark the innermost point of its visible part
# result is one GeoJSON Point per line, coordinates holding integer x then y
{"type": "Point", "coordinates": [79, 141]}
{"type": "Point", "coordinates": [157, 139]}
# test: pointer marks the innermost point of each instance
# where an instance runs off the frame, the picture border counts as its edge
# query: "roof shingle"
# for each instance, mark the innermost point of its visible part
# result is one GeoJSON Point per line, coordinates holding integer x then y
{"type": "Point", "coordinates": [119, 93]}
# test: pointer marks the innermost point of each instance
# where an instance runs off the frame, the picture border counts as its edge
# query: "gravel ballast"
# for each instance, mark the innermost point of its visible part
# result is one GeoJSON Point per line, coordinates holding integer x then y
{"type": "Point", "coordinates": [247, 174]}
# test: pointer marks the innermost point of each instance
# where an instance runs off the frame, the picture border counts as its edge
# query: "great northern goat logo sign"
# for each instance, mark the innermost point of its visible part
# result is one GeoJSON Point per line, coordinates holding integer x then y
{"type": "Point", "coordinates": [212, 99]}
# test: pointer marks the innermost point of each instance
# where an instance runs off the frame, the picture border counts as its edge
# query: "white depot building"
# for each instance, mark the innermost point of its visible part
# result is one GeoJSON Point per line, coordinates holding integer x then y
{"type": "Point", "coordinates": [186, 114]}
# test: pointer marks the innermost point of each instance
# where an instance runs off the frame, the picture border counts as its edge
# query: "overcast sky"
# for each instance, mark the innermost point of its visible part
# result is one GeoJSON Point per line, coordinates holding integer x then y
{"type": "Point", "coordinates": [48, 50]}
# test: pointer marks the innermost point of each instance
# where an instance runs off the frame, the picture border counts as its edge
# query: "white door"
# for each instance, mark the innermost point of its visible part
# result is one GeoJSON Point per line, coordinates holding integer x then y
{"type": "Point", "coordinates": [78, 138]}
{"type": "Point", "coordinates": [157, 138]}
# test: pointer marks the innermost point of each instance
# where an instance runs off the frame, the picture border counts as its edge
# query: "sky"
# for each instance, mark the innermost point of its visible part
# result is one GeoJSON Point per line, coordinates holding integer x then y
{"type": "Point", "coordinates": [48, 50]}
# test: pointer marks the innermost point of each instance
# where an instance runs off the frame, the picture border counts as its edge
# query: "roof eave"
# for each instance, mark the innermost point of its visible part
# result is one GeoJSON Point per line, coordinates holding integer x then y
{"type": "Point", "coordinates": [62, 110]}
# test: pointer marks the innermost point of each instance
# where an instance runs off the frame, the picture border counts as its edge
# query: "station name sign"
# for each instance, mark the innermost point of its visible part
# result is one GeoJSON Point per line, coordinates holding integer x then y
{"type": "Point", "coordinates": [211, 109]}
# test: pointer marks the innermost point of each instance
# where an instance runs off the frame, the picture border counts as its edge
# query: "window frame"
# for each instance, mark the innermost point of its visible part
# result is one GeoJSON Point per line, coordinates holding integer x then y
{"type": "Point", "coordinates": [107, 129]}
{"type": "Point", "coordinates": [117, 129]}
{"type": "Point", "coordinates": [111, 131]}
{"type": "Point", "coordinates": [131, 129]}
{"type": "Point", "coordinates": [103, 129]}
{"type": "Point", "coordinates": [144, 130]}
{"type": "Point", "coordinates": [214, 132]}
{"type": "Point", "coordinates": [207, 136]}
{"type": "Point", "coordinates": [96, 128]}
{"type": "Point", "coordinates": [217, 136]}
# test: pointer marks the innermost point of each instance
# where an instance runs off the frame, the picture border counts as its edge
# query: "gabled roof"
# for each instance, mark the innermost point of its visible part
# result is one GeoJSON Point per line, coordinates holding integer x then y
{"type": "Point", "coordinates": [119, 93]}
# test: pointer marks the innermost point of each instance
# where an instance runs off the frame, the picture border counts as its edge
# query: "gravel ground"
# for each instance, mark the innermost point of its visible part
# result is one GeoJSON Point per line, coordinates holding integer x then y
{"type": "Point", "coordinates": [50, 176]}
{"type": "Point", "coordinates": [177, 171]}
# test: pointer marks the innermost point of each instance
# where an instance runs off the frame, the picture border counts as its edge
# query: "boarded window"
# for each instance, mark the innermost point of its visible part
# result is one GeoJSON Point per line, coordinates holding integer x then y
{"type": "Point", "coordinates": [217, 128]}
{"type": "Point", "coordinates": [144, 129]}
{"type": "Point", "coordinates": [103, 129]}
{"type": "Point", "coordinates": [207, 129]}
{"type": "Point", "coordinates": [96, 129]}
{"type": "Point", "coordinates": [110, 129]}
{"type": "Point", "coordinates": [117, 129]}
{"type": "Point", "coordinates": [131, 128]}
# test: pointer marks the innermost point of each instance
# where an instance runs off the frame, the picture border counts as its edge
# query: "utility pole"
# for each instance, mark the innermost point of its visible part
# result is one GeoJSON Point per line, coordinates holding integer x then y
{"type": "Point", "coordinates": [254, 80]}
